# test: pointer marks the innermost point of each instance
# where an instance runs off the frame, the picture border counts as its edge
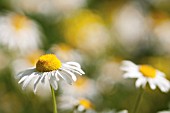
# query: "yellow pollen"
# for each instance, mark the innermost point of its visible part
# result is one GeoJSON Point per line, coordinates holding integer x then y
{"type": "Point", "coordinates": [47, 63]}
{"type": "Point", "coordinates": [147, 71]}
{"type": "Point", "coordinates": [19, 21]}
{"type": "Point", "coordinates": [86, 103]}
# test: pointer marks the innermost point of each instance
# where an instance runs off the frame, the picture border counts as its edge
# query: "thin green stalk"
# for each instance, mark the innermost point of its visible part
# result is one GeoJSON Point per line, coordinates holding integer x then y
{"type": "Point", "coordinates": [138, 101]}
{"type": "Point", "coordinates": [54, 100]}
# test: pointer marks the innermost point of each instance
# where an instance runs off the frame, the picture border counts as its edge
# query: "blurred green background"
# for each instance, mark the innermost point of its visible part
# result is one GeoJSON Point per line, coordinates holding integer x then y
{"type": "Point", "coordinates": [98, 34]}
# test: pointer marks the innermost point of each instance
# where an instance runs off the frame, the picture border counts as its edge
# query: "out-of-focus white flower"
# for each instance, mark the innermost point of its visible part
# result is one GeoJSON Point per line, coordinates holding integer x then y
{"type": "Point", "coordinates": [130, 25]}
{"type": "Point", "coordinates": [123, 111]}
{"type": "Point", "coordinates": [85, 30]}
{"type": "Point", "coordinates": [66, 53]}
{"type": "Point", "coordinates": [83, 87]}
{"type": "Point", "coordinates": [47, 7]}
{"type": "Point", "coordinates": [164, 112]}
{"type": "Point", "coordinates": [109, 74]}
{"type": "Point", "coordinates": [5, 59]}
{"type": "Point", "coordinates": [162, 32]}
{"type": "Point", "coordinates": [18, 32]}
{"type": "Point", "coordinates": [68, 6]}
{"type": "Point", "coordinates": [50, 69]}
{"type": "Point", "coordinates": [78, 105]}
{"type": "Point", "coordinates": [144, 74]}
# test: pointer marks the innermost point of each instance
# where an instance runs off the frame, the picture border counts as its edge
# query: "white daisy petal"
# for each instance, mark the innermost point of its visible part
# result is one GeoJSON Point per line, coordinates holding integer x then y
{"type": "Point", "coordinates": [140, 82]}
{"type": "Point", "coordinates": [160, 73]}
{"type": "Point", "coordinates": [74, 71]}
{"type": "Point", "coordinates": [22, 79]}
{"type": "Point", "coordinates": [27, 81]}
{"type": "Point", "coordinates": [65, 77]}
{"type": "Point", "coordinates": [56, 75]}
{"type": "Point", "coordinates": [152, 84]}
{"type": "Point", "coordinates": [26, 72]}
{"type": "Point", "coordinates": [53, 83]}
{"type": "Point", "coordinates": [126, 65]}
{"type": "Point", "coordinates": [163, 84]}
{"type": "Point", "coordinates": [36, 82]}
{"type": "Point", "coordinates": [74, 64]}
{"type": "Point", "coordinates": [43, 78]}
{"type": "Point", "coordinates": [74, 68]}
{"type": "Point", "coordinates": [70, 73]}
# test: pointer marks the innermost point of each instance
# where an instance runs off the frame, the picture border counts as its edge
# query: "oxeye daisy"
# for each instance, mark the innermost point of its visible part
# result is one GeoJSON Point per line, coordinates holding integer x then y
{"type": "Point", "coordinates": [50, 67]}
{"type": "Point", "coordinates": [163, 112]}
{"type": "Point", "coordinates": [18, 32]}
{"type": "Point", "coordinates": [77, 105]}
{"type": "Point", "coordinates": [146, 74]}
{"type": "Point", "coordinates": [81, 88]}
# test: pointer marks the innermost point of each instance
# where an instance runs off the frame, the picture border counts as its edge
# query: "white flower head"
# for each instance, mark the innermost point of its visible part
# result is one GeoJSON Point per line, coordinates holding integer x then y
{"type": "Point", "coordinates": [80, 105]}
{"type": "Point", "coordinates": [163, 112]}
{"type": "Point", "coordinates": [17, 32]}
{"type": "Point", "coordinates": [81, 88]}
{"type": "Point", "coordinates": [146, 74]}
{"type": "Point", "coordinates": [50, 67]}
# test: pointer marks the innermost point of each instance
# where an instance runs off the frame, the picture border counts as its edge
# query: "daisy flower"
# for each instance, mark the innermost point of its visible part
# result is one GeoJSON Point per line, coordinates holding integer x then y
{"type": "Point", "coordinates": [81, 88]}
{"type": "Point", "coordinates": [17, 32]}
{"type": "Point", "coordinates": [50, 69]}
{"type": "Point", "coordinates": [49, 7]}
{"type": "Point", "coordinates": [88, 28]}
{"type": "Point", "coordinates": [79, 105]}
{"type": "Point", "coordinates": [146, 74]}
{"type": "Point", "coordinates": [163, 112]}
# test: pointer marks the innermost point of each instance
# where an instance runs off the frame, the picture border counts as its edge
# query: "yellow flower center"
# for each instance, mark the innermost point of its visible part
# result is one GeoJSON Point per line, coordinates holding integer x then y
{"type": "Point", "coordinates": [48, 62]}
{"type": "Point", "coordinates": [86, 103]}
{"type": "Point", "coordinates": [147, 71]}
{"type": "Point", "coordinates": [19, 21]}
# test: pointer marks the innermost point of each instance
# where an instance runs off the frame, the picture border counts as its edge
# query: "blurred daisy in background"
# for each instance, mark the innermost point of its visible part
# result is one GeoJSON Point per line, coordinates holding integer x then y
{"type": "Point", "coordinates": [66, 53]}
{"type": "Point", "coordinates": [161, 29]}
{"type": "Point", "coordinates": [47, 7]}
{"type": "Point", "coordinates": [109, 75]}
{"type": "Point", "coordinates": [69, 6]}
{"type": "Point", "coordinates": [50, 69]}
{"type": "Point", "coordinates": [145, 74]}
{"type": "Point", "coordinates": [83, 87]}
{"type": "Point", "coordinates": [130, 26]}
{"type": "Point", "coordinates": [163, 112]}
{"type": "Point", "coordinates": [5, 59]}
{"type": "Point", "coordinates": [77, 105]}
{"type": "Point", "coordinates": [86, 31]}
{"type": "Point", "coordinates": [17, 32]}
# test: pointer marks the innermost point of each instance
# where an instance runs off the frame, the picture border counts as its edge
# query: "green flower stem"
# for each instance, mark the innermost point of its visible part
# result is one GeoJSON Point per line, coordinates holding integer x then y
{"type": "Point", "coordinates": [54, 100]}
{"type": "Point", "coordinates": [138, 101]}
